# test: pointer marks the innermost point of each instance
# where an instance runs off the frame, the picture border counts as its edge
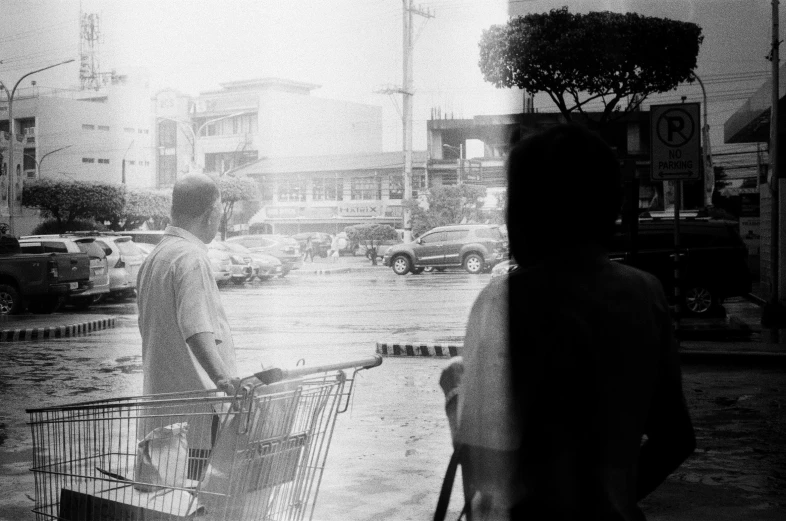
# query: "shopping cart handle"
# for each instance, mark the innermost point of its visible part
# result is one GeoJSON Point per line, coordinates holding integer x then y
{"type": "Point", "coordinates": [276, 374]}
{"type": "Point", "coordinates": [270, 376]}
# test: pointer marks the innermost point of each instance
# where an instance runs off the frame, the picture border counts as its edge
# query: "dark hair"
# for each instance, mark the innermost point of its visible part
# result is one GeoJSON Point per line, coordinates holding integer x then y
{"type": "Point", "coordinates": [564, 187]}
{"type": "Point", "coordinates": [193, 195]}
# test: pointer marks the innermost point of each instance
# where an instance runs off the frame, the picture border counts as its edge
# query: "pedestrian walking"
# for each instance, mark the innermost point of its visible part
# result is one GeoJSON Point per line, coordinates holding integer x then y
{"type": "Point", "coordinates": [334, 248]}
{"type": "Point", "coordinates": [186, 341]}
{"type": "Point", "coordinates": [309, 250]}
{"type": "Point", "coordinates": [570, 402]}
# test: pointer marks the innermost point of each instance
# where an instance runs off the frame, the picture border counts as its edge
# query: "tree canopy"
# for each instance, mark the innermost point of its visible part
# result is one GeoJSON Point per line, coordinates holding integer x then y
{"type": "Point", "coordinates": [617, 59]}
{"type": "Point", "coordinates": [448, 204]}
{"type": "Point", "coordinates": [140, 207]}
{"type": "Point", "coordinates": [234, 189]}
{"type": "Point", "coordinates": [67, 201]}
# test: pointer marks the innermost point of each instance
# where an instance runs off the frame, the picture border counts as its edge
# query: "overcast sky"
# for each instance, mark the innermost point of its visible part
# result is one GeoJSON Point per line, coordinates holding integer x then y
{"type": "Point", "coordinates": [354, 47]}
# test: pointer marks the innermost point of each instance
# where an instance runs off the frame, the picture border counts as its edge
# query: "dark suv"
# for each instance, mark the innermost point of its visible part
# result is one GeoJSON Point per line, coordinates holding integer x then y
{"type": "Point", "coordinates": [714, 259]}
{"type": "Point", "coordinates": [475, 247]}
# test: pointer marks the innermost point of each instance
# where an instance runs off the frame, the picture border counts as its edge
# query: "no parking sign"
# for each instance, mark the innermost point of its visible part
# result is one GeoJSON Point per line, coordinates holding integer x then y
{"type": "Point", "coordinates": [675, 142]}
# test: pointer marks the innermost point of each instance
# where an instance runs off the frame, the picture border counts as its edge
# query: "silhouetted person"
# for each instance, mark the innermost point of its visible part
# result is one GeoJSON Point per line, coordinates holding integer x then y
{"type": "Point", "coordinates": [568, 362]}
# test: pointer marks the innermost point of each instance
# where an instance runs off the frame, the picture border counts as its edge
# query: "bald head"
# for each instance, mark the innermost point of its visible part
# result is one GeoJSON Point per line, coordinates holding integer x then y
{"type": "Point", "coordinates": [192, 196]}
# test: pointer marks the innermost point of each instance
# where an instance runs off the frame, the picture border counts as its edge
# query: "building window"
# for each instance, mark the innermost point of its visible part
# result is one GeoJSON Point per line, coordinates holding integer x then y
{"type": "Point", "coordinates": [143, 131]}
{"type": "Point", "coordinates": [103, 127]}
{"type": "Point", "coordinates": [167, 170]}
{"type": "Point", "coordinates": [328, 189]}
{"type": "Point", "coordinates": [366, 188]}
{"type": "Point", "coordinates": [132, 162]}
{"type": "Point", "coordinates": [397, 186]}
{"type": "Point", "coordinates": [129, 129]}
{"type": "Point", "coordinates": [167, 134]}
{"type": "Point", "coordinates": [88, 160]}
{"type": "Point", "coordinates": [103, 161]}
{"type": "Point", "coordinates": [28, 160]}
{"type": "Point", "coordinates": [88, 127]}
{"type": "Point", "coordinates": [292, 190]}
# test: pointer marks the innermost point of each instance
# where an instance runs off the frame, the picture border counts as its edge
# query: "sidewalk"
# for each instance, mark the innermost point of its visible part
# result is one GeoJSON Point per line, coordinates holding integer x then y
{"type": "Point", "coordinates": [344, 264]}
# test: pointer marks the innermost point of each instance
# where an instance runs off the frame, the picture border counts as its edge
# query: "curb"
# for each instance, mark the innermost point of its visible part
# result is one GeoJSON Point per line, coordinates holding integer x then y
{"type": "Point", "coordinates": [421, 350]}
{"type": "Point", "coordinates": [328, 271]}
{"type": "Point", "coordinates": [40, 333]}
{"type": "Point", "coordinates": [418, 349]}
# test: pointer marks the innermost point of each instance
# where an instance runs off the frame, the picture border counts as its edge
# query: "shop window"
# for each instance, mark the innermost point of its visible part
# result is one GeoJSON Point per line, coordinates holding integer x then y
{"type": "Point", "coordinates": [396, 186]}
{"type": "Point", "coordinates": [328, 189]}
{"type": "Point", "coordinates": [366, 188]}
{"type": "Point", "coordinates": [292, 190]}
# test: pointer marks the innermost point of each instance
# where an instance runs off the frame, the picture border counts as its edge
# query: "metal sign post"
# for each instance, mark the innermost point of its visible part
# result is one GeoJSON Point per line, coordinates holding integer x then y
{"type": "Point", "coordinates": [676, 156]}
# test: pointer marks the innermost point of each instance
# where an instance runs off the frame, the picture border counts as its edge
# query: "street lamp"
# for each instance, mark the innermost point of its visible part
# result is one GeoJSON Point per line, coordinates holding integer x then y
{"type": "Point", "coordinates": [38, 163]}
{"type": "Point", "coordinates": [194, 134]}
{"type": "Point", "coordinates": [709, 173]}
{"type": "Point", "coordinates": [11, 169]}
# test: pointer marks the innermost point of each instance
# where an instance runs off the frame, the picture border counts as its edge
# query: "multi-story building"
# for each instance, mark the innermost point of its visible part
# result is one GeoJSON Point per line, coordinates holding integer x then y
{"type": "Point", "coordinates": [263, 118]}
{"type": "Point", "coordinates": [102, 136]}
{"type": "Point", "coordinates": [330, 192]}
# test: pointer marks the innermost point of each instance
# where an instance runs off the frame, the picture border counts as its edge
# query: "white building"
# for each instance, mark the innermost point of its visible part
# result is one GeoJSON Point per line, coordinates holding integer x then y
{"type": "Point", "coordinates": [78, 135]}
{"type": "Point", "coordinates": [254, 119]}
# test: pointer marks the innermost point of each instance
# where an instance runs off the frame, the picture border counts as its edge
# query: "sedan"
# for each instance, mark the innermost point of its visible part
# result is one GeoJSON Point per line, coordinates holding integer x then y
{"type": "Point", "coordinates": [285, 249]}
{"type": "Point", "coordinates": [242, 265]}
{"type": "Point", "coordinates": [265, 266]}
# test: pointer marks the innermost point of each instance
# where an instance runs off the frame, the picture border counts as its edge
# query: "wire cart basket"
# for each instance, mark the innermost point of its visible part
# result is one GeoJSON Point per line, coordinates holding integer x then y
{"type": "Point", "coordinates": [258, 455]}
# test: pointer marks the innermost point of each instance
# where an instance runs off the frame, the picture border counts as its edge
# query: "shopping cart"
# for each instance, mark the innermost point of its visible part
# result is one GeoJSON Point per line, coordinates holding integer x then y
{"type": "Point", "coordinates": [258, 455]}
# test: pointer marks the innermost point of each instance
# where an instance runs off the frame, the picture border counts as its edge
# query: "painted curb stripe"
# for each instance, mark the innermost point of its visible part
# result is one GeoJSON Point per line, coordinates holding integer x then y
{"type": "Point", "coordinates": [14, 335]}
{"type": "Point", "coordinates": [417, 350]}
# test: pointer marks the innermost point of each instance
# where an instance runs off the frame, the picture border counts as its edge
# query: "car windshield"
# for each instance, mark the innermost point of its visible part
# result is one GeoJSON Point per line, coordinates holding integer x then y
{"type": "Point", "coordinates": [127, 247]}
{"type": "Point", "coordinates": [93, 250]}
{"type": "Point", "coordinates": [236, 248]}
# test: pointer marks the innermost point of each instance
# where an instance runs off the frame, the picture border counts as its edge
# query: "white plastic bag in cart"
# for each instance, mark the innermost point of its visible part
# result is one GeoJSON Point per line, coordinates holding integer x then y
{"type": "Point", "coordinates": [162, 458]}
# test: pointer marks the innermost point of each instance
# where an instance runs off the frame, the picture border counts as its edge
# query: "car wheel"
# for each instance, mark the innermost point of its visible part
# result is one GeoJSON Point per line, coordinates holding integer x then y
{"type": "Point", "coordinates": [429, 269]}
{"type": "Point", "coordinates": [401, 264]}
{"type": "Point", "coordinates": [699, 300]}
{"type": "Point", "coordinates": [10, 301]}
{"type": "Point", "coordinates": [45, 305]}
{"type": "Point", "coordinates": [440, 269]}
{"type": "Point", "coordinates": [473, 263]}
{"type": "Point", "coordinates": [417, 271]}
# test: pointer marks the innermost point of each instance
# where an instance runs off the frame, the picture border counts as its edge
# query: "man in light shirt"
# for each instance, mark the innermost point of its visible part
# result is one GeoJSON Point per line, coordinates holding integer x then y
{"type": "Point", "coordinates": [186, 341]}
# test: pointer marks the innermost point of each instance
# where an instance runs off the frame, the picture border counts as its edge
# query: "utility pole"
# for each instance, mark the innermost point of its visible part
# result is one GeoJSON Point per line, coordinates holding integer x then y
{"type": "Point", "coordinates": [773, 314]}
{"type": "Point", "coordinates": [407, 92]}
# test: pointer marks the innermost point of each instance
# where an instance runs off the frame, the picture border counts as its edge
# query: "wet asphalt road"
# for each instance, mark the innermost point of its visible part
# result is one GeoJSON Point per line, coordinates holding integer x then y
{"type": "Point", "coordinates": [391, 448]}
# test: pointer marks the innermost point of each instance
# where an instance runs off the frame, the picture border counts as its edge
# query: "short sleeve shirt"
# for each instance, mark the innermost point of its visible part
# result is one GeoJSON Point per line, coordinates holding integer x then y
{"type": "Point", "coordinates": [178, 298]}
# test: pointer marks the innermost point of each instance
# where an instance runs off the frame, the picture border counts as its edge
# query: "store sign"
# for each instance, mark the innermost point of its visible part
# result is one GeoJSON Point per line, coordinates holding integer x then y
{"type": "Point", "coordinates": [368, 210]}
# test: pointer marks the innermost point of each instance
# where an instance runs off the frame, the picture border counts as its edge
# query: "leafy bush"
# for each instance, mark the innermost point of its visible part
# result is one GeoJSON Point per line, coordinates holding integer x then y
{"type": "Point", "coordinates": [370, 236]}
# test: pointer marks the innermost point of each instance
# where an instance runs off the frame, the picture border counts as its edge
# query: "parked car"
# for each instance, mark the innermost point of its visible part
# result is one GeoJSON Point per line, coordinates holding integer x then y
{"type": "Point", "coordinates": [42, 277]}
{"type": "Point", "coordinates": [475, 247]}
{"type": "Point", "coordinates": [285, 249]}
{"type": "Point", "coordinates": [265, 266]}
{"type": "Point", "coordinates": [146, 247]}
{"type": "Point", "coordinates": [241, 265]}
{"type": "Point", "coordinates": [320, 242]}
{"type": "Point", "coordinates": [99, 268]}
{"type": "Point", "coordinates": [124, 258]}
{"type": "Point", "coordinates": [221, 265]}
{"type": "Point", "coordinates": [714, 260]}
